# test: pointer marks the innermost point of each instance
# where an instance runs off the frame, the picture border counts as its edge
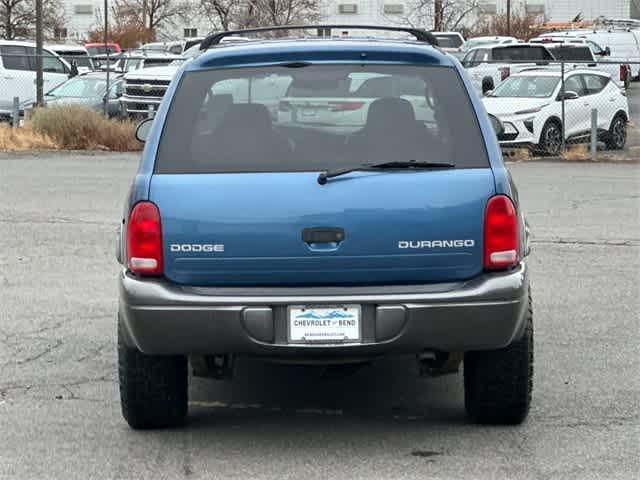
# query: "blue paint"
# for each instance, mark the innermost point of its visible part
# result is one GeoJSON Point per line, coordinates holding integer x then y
{"type": "Point", "coordinates": [259, 217]}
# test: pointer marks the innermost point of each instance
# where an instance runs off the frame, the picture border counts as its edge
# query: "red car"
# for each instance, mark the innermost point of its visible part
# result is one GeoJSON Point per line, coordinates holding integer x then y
{"type": "Point", "coordinates": [100, 49]}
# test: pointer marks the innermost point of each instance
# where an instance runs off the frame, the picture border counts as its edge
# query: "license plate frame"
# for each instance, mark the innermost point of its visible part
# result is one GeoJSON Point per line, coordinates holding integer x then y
{"type": "Point", "coordinates": [323, 314]}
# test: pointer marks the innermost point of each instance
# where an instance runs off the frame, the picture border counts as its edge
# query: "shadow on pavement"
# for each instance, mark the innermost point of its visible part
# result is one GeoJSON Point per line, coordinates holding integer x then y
{"type": "Point", "coordinates": [389, 389]}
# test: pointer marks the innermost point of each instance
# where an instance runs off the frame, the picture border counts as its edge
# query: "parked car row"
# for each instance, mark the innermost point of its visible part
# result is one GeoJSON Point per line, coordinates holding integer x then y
{"type": "Point", "coordinates": [18, 73]}
{"type": "Point", "coordinates": [541, 93]}
{"type": "Point", "coordinates": [61, 66]}
{"type": "Point", "coordinates": [88, 89]}
{"type": "Point", "coordinates": [145, 87]}
{"type": "Point", "coordinates": [521, 83]}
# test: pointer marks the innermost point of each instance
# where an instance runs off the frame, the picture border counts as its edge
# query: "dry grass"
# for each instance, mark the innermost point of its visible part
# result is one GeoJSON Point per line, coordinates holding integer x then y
{"type": "Point", "coordinates": [22, 139]}
{"type": "Point", "coordinates": [79, 128]}
{"type": "Point", "coordinates": [518, 154]}
{"type": "Point", "coordinates": [577, 152]}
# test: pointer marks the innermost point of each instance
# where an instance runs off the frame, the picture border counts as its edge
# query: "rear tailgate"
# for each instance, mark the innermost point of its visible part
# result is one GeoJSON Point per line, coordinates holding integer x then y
{"type": "Point", "coordinates": [247, 229]}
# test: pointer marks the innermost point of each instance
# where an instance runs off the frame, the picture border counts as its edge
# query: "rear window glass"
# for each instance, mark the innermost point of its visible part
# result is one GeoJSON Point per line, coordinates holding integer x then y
{"type": "Point", "coordinates": [157, 62]}
{"type": "Point", "coordinates": [516, 54]}
{"type": "Point", "coordinates": [81, 59]}
{"type": "Point", "coordinates": [572, 53]}
{"type": "Point", "coordinates": [101, 50]}
{"type": "Point", "coordinates": [449, 41]}
{"type": "Point", "coordinates": [276, 119]}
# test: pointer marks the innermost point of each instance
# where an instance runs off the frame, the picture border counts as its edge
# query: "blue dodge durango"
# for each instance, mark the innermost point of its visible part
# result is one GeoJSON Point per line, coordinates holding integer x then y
{"type": "Point", "coordinates": [322, 200]}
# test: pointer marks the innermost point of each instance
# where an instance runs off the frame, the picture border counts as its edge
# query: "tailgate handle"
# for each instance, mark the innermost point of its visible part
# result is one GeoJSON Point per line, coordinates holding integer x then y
{"type": "Point", "coordinates": [323, 235]}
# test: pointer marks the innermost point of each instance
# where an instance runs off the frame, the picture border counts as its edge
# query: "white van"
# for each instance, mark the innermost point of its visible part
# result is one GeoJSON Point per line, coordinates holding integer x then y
{"type": "Point", "coordinates": [623, 44]}
{"type": "Point", "coordinates": [18, 73]}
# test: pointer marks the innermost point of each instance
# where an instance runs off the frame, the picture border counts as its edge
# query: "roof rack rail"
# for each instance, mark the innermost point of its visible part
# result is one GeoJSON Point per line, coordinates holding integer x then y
{"type": "Point", "coordinates": [420, 34]}
{"type": "Point", "coordinates": [621, 23]}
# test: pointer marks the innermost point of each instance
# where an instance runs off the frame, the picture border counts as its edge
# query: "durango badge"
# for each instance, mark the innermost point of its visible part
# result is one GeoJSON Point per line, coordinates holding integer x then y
{"type": "Point", "coordinates": [436, 243]}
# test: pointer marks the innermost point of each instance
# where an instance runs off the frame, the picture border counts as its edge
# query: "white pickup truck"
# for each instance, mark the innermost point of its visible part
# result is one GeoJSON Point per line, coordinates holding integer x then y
{"type": "Point", "coordinates": [488, 65]}
{"type": "Point", "coordinates": [579, 56]}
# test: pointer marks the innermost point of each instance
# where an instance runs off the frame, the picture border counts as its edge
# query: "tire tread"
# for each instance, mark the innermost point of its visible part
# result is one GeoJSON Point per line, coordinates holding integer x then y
{"type": "Point", "coordinates": [498, 383]}
{"type": "Point", "coordinates": [153, 388]}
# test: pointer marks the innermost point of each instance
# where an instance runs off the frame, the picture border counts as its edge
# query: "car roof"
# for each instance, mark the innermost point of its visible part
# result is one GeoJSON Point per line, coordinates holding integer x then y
{"type": "Point", "coordinates": [21, 43]}
{"type": "Point", "coordinates": [150, 54]}
{"type": "Point", "coordinates": [447, 33]}
{"type": "Point", "coordinates": [98, 74]}
{"type": "Point", "coordinates": [270, 51]}
{"type": "Point", "coordinates": [493, 37]}
{"type": "Point", "coordinates": [66, 48]}
{"type": "Point", "coordinates": [550, 72]}
{"type": "Point", "coordinates": [566, 45]}
{"type": "Point", "coordinates": [507, 45]}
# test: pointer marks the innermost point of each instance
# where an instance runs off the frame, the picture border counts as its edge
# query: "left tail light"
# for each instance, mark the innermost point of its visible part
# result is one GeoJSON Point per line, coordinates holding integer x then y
{"type": "Point", "coordinates": [623, 73]}
{"type": "Point", "coordinates": [144, 240]}
{"type": "Point", "coordinates": [501, 234]}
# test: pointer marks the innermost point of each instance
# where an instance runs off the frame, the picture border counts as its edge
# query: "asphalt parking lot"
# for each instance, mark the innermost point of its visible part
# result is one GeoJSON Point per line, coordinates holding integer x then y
{"type": "Point", "coordinates": [59, 406]}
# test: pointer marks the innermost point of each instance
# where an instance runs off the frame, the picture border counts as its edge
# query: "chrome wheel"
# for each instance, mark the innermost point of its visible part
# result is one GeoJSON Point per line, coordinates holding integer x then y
{"type": "Point", "coordinates": [551, 139]}
{"type": "Point", "coordinates": [618, 133]}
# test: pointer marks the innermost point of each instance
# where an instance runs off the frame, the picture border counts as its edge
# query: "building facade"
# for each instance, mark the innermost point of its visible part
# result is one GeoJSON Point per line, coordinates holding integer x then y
{"type": "Point", "coordinates": [85, 15]}
{"type": "Point", "coordinates": [563, 10]}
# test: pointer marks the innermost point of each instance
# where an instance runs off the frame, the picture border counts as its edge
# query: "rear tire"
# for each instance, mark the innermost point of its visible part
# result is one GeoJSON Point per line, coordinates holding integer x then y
{"type": "Point", "coordinates": [153, 388]}
{"type": "Point", "coordinates": [487, 84]}
{"type": "Point", "coordinates": [616, 138]}
{"type": "Point", "coordinates": [498, 383]}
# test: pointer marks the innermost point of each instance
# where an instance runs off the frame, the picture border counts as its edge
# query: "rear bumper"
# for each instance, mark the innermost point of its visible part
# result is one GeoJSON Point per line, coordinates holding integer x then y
{"type": "Point", "coordinates": [486, 312]}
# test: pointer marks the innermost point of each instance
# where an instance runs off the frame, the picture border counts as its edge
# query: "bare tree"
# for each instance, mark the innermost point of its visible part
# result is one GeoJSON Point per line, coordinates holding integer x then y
{"type": "Point", "coordinates": [520, 25]}
{"type": "Point", "coordinates": [228, 14]}
{"type": "Point", "coordinates": [18, 17]}
{"type": "Point", "coordinates": [223, 14]}
{"type": "Point", "coordinates": [440, 15]}
{"type": "Point", "coordinates": [125, 28]}
{"type": "Point", "coordinates": [282, 12]}
{"type": "Point", "coordinates": [152, 14]}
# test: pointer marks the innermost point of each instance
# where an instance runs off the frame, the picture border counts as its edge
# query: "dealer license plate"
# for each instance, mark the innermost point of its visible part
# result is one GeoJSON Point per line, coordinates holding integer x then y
{"type": "Point", "coordinates": [324, 324]}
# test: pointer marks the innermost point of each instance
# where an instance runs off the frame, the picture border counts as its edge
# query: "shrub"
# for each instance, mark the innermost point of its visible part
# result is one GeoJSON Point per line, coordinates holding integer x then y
{"type": "Point", "coordinates": [577, 152]}
{"type": "Point", "coordinates": [80, 128]}
{"type": "Point", "coordinates": [25, 138]}
{"type": "Point", "coordinates": [522, 25]}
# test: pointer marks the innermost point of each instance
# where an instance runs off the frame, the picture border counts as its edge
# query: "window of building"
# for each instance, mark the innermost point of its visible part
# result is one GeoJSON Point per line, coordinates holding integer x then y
{"type": "Point", "coordinates": [393, 8]}
{"type": "Point", "coordinates": [534, 8]}
{"type": "Point", "coordinates": [60, 33]}
{"type": "Point", "coordinates": [348, 8]}
{"type": "Point", "coordinates": [487, 8]}
{"type": "Point", "coordinates": [190, 32]}
{"type": "Point", "coordinates": [83, 9]}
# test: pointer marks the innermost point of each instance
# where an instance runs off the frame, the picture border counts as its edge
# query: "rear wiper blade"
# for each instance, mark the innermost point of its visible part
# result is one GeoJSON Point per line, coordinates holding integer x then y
{"type": "Point", "coordinates": [407, 165]}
